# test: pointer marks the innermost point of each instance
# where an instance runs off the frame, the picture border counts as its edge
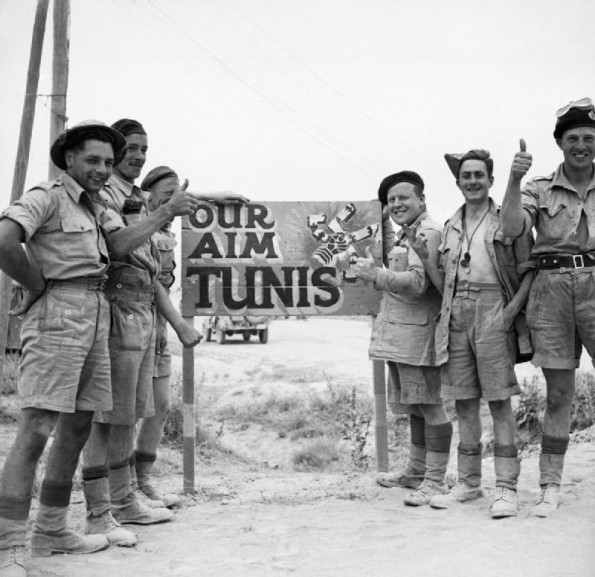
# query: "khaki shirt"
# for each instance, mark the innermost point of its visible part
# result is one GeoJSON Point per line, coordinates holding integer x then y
{"type": "Point", "coordinates": [404, 328]}
{"type": "Point", "coordinates": [115, 194]}
{"type": "Point", "coordinates": [509, 258]}
{"type": "Point", "coordinates": [552, 205]}
{"type": "Point", "coordinates": [62, 235]}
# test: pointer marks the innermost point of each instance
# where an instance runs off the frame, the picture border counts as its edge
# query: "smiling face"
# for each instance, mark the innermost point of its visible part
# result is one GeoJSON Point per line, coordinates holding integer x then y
{"type": "Point", "coordinates": [136, 155]}
{"type": "Point", "coordinates": [578, 147]}
{"type": "Point", "coordinates": [162, 191]}
{"type": "Point", "coordinates": [474, 181]}
{"type": "Point", "coordinates": [90, 164]}
{"type": "Point", "coordinates": [404, 204]}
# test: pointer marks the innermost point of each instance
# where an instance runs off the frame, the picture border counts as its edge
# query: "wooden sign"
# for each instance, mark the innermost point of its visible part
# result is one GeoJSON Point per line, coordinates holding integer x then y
{"type": "Point", "coordinates": [278, 258]}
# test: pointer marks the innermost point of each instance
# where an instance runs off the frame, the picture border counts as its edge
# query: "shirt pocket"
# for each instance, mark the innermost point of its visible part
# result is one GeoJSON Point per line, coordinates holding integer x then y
{"type": "Point", "coordinates": [555, 221]}
{"type": "Point", "coordinates": [74, 224]}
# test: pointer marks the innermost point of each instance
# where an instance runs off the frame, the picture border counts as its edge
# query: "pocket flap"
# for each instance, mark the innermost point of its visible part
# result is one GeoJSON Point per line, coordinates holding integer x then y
{"type": "Point", "coordinates": [75, 224]}
{"type": "Point", "coordinates": [409, 315]}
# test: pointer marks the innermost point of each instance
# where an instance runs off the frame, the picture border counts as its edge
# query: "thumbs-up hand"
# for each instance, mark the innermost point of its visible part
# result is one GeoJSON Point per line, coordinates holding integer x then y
{"type": "Point", "coordinates": [521, 162]}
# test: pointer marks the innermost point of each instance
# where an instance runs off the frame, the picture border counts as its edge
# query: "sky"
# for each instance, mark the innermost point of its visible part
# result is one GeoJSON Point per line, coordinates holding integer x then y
{"type": "Point", "coordinates": [299, 100]}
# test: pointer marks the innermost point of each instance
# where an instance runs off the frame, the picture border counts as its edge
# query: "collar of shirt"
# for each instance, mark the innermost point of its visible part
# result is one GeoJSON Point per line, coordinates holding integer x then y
{"type": "Point", "coordinates": [561, 180]}
{"type": "Point", "coordinates": [127, 188]}
{"type": "Point", "coordinates": [72, 187]}
{"type": "Point", "coordinates": [457, 219]}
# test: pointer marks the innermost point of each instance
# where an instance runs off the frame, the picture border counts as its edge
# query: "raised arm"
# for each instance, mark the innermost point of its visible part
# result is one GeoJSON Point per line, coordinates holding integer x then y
{"type": "Point", "coordinates": [512, 214]}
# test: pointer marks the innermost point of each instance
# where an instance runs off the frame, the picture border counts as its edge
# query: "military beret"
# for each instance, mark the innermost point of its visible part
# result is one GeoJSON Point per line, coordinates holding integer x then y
{"type": "Point", "coordinates": [126, 126]}
{"type": "Point", "coordinates": [86, 130]}
{"type": "Point", "coordinates": [155, 175]}
{"type": "Point", "coordinates": [574, 115]}
{"type": "Point", "coordinates": [403, 176]}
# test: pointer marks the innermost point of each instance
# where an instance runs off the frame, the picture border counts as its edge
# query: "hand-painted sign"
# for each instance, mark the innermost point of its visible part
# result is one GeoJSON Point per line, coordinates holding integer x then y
{"type": "Point", "coordinates": [278, 258]}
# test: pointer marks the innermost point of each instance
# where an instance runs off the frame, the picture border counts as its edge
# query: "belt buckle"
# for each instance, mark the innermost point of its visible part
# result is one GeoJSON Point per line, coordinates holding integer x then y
{"type": "Point", "coordinates": [578, 261]}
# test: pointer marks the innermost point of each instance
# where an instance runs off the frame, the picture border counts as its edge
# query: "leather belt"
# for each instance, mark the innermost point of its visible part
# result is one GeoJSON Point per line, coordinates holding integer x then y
{"type": "Point", "coordinates": [90, 283]}
{"type": "Point", "coordinates": [565, 262]}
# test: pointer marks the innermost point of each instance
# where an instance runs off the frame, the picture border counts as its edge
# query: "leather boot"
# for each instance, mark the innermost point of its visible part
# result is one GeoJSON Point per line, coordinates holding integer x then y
{"type": "Point", "coordinates": [146, 492]}
{"type": "Point", "coordinates": [433, 484]}
{"type": "Point", "coordinates": [50, 535]}
{"type": "Point", "coordinates": [412, 476]}
{"type": "Point", "coordinates": [99, 520]}
{"type": "Point", "coordinates": [12, 561]}
{"type": "Point", "coordinates": [468, 486]}
{"type": "Point", "coordinates": [126, 508]}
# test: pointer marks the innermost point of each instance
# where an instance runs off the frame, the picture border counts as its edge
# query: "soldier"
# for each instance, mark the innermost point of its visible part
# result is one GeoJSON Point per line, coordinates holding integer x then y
{"type": "Point", "coordinates": [64, 373]}
{"type": "Point", "coordinates": [561, 308]}
{"type": "Point", "coordinates": [482, 299]}
{"type": "Point", "coordinates": [403, 336]}
{"type": "Point", "coordinates": [159, 184]}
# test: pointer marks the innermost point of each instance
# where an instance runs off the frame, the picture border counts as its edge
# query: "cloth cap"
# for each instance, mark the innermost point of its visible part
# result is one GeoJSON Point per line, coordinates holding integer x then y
{"type": "Point", "coordinates": [127, 126]}
{"type": "Point", "coordinates": [454, 162]}
{"type": "Point", "coordinates": [86, 130]}
{"type": "Point", "coordinates": [403, 176]}
{"type": "Point", "coordinates": [155, 175]}
{"type": "Point", "coordinates": [574, 118]}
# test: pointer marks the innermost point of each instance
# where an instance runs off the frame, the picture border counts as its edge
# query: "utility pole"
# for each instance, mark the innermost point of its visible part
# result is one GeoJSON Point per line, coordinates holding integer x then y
{"type": "Point", "coordinates": [22, 157]}
{"type": "Point", "coordinates": [59, 74]}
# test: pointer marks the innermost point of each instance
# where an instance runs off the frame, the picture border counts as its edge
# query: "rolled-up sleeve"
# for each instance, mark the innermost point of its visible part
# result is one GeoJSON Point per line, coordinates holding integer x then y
{"type": "Point", "coordinates": [31, 211]}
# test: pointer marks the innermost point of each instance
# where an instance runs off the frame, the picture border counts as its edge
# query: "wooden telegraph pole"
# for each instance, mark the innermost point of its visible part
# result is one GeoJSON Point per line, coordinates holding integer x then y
{"type": "Point", "coordinates": [22, 157]}
{"type": "Point", "coordinates": [59, 74]}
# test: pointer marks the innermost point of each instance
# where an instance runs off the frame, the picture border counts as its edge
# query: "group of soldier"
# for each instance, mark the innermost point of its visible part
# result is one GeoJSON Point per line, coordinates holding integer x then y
{"type": "Point", "coordinates": [463, 303]}
{"type": "Point", "coordinates": [95, 367]}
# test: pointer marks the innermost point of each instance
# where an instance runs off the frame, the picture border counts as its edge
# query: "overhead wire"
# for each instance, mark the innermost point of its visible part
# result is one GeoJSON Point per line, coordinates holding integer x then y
{"type": "Point", "coordinates": [325, 139]}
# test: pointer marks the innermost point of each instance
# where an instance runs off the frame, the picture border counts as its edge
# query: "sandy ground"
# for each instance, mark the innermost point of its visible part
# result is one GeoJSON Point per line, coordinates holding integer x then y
{"type": "Point", "coordinates": [266, 519]}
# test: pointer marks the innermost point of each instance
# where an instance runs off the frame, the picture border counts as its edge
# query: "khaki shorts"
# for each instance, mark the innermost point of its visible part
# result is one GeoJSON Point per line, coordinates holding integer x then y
{"type": "Point", "coordinates": [561, 317]}
{"type": "Point", "coordinates": [132, 356]}
{"type": "Point", "coordinates": [65, 362]}
{"type": "Point", "coordinates": [481, 353]}
{"type": "Point", "coordinates": [410, 385]}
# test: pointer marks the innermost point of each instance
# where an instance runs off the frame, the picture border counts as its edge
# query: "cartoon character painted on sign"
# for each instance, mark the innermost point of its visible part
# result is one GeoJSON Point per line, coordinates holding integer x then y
{"type": "Point", "coordinates": [337, 247]}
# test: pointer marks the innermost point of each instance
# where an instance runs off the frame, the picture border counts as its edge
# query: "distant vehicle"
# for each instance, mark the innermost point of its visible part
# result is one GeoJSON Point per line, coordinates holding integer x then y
{"type": "Point", "coordinates": [220, 328]}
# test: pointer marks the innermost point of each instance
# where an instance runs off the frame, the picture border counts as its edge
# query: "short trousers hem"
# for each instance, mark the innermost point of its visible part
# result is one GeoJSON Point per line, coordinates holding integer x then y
{"type": "Point", "coordinates": [450, 393]}
{"type": "Point", "coordinates": [547, 362]}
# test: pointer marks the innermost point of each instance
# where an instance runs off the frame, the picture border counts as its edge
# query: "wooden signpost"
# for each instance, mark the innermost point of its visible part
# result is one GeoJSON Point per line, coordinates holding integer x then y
{"type": "Point", "coordinates": [277, 259]}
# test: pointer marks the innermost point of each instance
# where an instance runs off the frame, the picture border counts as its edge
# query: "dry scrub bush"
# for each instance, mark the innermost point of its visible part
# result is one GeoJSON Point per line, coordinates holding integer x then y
{"type": "Point", "coordinates": [530, 407]}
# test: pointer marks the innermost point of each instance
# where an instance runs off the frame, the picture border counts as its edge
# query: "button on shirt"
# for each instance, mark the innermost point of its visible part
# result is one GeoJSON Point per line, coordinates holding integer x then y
{"type": "Point", "coordinates": [61, 233]}
{"type": "Point", "coordinates": [115, 193]}
{"type": "Point", "coordinates": [553, 206]}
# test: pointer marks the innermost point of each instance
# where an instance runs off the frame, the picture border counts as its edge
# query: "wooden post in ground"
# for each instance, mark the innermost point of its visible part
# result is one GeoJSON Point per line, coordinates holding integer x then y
{"type": "Point", "coordinates": [22, 156]}
{"type": "Point", "coordinates": [59, 75]}
{"type": "Point", "coordinates": [380, 422]}
{"type": "Point", "coordinates": [188, 414]}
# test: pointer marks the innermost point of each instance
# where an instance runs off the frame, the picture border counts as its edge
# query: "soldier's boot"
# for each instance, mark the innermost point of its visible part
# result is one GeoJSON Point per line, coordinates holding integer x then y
{"type": "Point", "coordinates": [468, 486]}
{"type": "Point", "coordinates": [144, 466]}
{"type": "Point", "coordinates": [12, 562]}
{"type": "Point", "coordinates": [412, 476]}
{"type": "Point", "coordinates": [551, 465]}
{"type": "Point", "coordinates": [99, 519]}
{"type": "Point", "coordinates": [438, 439]}
{"type": "Point", "coordinates": [152, 503]}
{"type": "Point", "coordinates": [51, 535]}
{"type": "Point", "coordinates": [126, 508]}
{"type": "Point", "coordinates": [14, 513]}
{"type": "Point", "coordinates": [508, 468]}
